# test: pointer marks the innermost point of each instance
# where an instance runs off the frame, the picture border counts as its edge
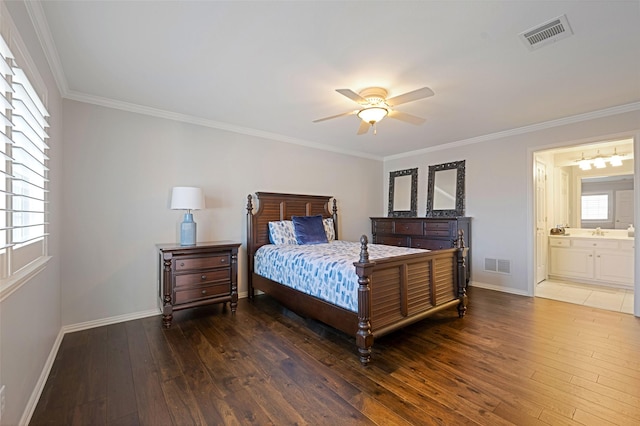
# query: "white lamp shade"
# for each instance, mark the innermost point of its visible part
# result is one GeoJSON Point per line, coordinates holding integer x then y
{"type": "Point", "coordinates": [187, 198]}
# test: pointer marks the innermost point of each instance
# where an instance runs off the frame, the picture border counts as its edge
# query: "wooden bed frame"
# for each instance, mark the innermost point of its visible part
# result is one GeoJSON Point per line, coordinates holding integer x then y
{"type": "Point", "coordinates": [392, 293]}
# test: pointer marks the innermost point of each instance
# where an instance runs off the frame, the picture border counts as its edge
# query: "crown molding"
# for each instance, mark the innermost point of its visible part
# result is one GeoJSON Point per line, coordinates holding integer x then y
{"type": "Point", "coordinates": [184, 118]}
{"type": "Point", "coordinates": [621, 109]}
{"type": "Point", "coordinates": [41, 26]}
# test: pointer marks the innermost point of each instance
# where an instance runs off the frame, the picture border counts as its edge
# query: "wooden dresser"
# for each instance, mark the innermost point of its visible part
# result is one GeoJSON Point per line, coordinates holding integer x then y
{"type": "Point", "coordinates": [197, 275]}
{"type": "Point", "coordinates": [422, 232]}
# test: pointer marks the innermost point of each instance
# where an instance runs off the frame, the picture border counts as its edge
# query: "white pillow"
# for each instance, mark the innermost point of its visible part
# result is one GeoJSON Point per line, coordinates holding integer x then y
{"type": "Point", "coordinates": [329, 229]}
{"type": "Point", "coordinates": [282, 232]}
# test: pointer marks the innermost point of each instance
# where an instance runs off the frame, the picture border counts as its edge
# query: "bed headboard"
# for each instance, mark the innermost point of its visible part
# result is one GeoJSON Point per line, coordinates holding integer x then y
{"type": "Point", "coordinates": [273, 207]}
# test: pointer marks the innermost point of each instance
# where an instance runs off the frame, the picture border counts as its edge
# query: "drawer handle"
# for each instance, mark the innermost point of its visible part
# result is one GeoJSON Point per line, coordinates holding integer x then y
{"type": "Point", "coordinates": [204, 277]}
{"type": "Point", "coordinates": [223, 260]}
{"type": "Point", "coordinates": [204, 291]}
{"type": "Point", "coordinates": [181, 263]}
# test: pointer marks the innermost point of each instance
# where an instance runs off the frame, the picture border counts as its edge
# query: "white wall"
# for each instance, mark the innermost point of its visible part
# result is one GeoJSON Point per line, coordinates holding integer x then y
{"type": "Point", "coordinates": [119, 171]}
{"type": "Point", "coordinates": [499, 191]}
{"type": "Point", "coordinates": [30, 317]}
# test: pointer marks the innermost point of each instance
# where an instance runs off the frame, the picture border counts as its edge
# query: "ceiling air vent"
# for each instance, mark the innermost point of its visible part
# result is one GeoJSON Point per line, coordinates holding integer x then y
{"type": "Point", "coordinates": [547, 33]}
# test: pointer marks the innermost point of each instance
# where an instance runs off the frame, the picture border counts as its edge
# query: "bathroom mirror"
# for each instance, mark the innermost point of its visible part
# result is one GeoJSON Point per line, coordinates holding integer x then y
{"type": "Point", "coordinates": [445, 193]}
{"type": "Point", "coordinates": [606, 201]}
{"type": "Point", "coordinates": [403, 193]}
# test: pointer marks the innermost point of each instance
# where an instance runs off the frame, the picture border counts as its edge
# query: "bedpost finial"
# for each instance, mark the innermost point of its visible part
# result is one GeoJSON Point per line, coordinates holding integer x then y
{"type": "Point", "coordinates": [460, 239]}
{"type": "Point", "coordinates": [249, 204]}
{"type": "Point", "coordinates": [364, 252]}
{"type": "Point", "coordinates": [334, 210]}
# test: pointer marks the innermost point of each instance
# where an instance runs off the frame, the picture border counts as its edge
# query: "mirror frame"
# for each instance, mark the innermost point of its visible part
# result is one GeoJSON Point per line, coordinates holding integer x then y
{"type": "Point", "coordinates": [459, 205]}
{"type": "Point", "coordinates": [414, 193]}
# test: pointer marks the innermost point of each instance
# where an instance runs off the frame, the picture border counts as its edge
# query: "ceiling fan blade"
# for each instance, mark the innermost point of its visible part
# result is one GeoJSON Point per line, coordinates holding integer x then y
{"type": "Point", "coordinates": [403, 116]}
{"type": "Point", "coordinates": [352, 95]}
{"type": "Point", "coordinates": [425, 92]}
{"type": "Point", "coordinates": [335, 116]}
{"type": "Point", "coordinates": [364, 127]}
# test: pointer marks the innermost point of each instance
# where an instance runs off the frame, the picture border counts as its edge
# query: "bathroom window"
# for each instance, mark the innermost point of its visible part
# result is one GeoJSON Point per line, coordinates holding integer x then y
{"type": "Point", "coordinates": [595, 207]}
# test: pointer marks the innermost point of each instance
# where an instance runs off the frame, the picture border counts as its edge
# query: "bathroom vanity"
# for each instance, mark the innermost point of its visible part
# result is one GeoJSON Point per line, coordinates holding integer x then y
{"type": "Point", "coordinates": [585, 257]}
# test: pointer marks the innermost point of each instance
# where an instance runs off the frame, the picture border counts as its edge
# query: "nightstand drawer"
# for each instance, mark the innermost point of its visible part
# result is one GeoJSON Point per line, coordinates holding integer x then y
{"type": "Point", "coordinates": [191, 295]}
{"type": "Point", "coordinates": [202, 262]}
{"type": "Point", "coordinates": [203, 277]}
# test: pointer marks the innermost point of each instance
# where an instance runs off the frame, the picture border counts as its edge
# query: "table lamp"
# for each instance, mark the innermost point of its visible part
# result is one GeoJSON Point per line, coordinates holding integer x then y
{"type": "Point", "coordinates": [187, 198]}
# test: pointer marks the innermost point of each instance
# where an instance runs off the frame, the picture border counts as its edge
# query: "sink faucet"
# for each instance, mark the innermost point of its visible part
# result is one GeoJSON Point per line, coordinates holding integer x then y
{"type": "Point", "coordinates": [598, 231]}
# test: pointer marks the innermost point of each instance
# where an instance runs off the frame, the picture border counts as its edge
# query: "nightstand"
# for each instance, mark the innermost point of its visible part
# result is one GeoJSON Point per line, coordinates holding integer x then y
{"type": "Point", "coordinates": [197, 275]}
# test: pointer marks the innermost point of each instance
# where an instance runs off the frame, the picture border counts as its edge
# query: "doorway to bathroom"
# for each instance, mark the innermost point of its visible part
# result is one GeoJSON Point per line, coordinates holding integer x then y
{"type": "Point", "coordinates": [582, 212]}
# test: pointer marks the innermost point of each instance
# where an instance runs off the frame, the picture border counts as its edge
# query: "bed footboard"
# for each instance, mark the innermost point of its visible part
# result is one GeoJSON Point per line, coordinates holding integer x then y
{"type": "Point", "coordinates": [398, 291]}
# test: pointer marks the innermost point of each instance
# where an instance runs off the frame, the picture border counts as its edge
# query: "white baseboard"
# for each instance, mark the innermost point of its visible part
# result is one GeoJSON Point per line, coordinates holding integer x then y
{"type": "Point", "coordinates": [46, 370]}
{"type": "Point", "coordinates": [498, 288]}
{"type": "Point", "coordinates": [42, 380]}
{"type": "Point", "coordinates": [108, 321]}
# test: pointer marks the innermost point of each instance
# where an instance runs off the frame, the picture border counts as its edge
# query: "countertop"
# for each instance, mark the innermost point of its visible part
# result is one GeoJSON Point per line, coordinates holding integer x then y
{"type": "Point", "coordinates": [613, 234]}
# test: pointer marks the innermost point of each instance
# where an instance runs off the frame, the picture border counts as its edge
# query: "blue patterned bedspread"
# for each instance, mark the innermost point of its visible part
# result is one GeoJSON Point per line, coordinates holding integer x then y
{"type": "Point", "coordinates": [325, 271]}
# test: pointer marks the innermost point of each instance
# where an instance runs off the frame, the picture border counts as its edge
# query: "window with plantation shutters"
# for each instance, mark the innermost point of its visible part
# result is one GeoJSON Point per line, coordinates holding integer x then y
{"type": "Point", "coordinates": [23, 168]}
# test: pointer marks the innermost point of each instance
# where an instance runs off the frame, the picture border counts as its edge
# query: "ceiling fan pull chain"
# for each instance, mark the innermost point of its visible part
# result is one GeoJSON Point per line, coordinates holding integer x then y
{"type": "Point", "coordinates": [375, 129]}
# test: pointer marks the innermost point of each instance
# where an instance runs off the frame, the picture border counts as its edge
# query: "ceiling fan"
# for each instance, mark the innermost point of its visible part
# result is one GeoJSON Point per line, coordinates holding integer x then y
{"type": "Point", "coordinates": [375, 106]}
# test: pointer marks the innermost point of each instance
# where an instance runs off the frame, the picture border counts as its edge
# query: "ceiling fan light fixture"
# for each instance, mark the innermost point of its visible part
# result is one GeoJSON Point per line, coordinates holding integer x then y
{"type": "Point", "coordinates": [373, 114]}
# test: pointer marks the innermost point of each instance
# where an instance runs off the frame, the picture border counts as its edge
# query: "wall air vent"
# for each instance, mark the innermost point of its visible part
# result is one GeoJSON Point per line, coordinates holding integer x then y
{"type": "Point", "coordinates": [547, 33]}
{"type": "Point", "coordinates": [501, 266]}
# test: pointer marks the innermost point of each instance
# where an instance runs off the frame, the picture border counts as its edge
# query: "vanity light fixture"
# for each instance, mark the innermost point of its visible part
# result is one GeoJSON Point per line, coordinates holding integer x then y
{"type": "Point", "coordinates": [598, 162]}
{"type": "Point", "coordinates": [584, 164]}
{"type": "Point", "coordinates": [615, 159]}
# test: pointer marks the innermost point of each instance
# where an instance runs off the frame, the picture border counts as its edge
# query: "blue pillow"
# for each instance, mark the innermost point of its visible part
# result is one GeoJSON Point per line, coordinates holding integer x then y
{"type": "Point", "coordinates": [309, 229]}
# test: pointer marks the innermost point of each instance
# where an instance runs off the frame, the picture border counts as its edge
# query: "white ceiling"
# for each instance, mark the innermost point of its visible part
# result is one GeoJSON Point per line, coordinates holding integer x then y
{"type": "Point", "coordinates": [269, 68]}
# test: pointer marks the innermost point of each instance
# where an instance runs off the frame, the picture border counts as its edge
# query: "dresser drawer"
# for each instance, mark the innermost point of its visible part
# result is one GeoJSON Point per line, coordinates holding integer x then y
{"type": "Point", "coordinates": [201, 262]}
{"type": "Point", "coordinates": [393, 241]}
{"type": "Point", "coordinates": [437, 225]}
{"type": "Point", "coordinates": [202, 277]}
{"type": "Point", "coordinates": [430, 244]}
{"type": "Point", "coordinates": [202, 292]}
{"type": "Point", "coordinates": [383, 227]}
{"type": "Point", "coordinates": [408, 228]}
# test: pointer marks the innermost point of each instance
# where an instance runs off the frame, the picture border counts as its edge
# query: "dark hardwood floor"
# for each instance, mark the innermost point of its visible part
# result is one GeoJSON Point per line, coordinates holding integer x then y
{"type": "Point", "coordinates": [511, 360]}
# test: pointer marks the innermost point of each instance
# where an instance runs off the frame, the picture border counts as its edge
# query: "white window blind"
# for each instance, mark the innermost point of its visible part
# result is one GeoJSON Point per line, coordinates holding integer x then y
{"type": "Point", "coordinates": [595, 207]}
{"type": "Point", "coordinates": [23, 168]}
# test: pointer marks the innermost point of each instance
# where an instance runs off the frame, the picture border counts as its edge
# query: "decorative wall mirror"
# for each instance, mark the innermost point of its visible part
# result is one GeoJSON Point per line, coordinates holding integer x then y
{"type": "Point", "coordinates": [445, 196]}
{"type": "Point", "coordinates": [403, 193]}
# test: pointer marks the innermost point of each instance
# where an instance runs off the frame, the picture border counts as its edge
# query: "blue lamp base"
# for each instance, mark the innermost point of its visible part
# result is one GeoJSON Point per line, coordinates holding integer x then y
{"type": "Point", "coordinates": [188, 231]}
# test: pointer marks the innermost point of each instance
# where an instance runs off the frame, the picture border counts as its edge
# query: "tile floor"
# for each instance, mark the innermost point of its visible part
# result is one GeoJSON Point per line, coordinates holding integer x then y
{"type": "Point", "coordinates": [609, 298]}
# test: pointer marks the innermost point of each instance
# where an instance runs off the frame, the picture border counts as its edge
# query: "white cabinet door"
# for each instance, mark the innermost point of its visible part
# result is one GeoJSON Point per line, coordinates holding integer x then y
{"type": "Point", "coordinates": [616, 266]}
{"type": "Point", "coordinates": [572, 262]}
